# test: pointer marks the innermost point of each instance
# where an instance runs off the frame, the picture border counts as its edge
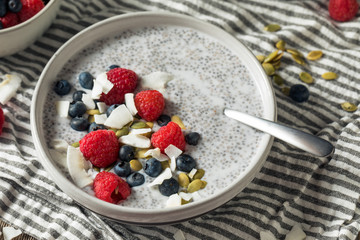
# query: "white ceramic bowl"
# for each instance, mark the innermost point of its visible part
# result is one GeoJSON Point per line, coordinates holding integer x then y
{"type": "Point", "coordinates": [255, 93]}
{"type": "Point", "coordinates": [18, 37]}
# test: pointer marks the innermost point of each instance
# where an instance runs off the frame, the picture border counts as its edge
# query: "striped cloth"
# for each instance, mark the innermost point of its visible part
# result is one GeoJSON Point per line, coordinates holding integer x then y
{"type": "Point", "coordinates": [320, 194]}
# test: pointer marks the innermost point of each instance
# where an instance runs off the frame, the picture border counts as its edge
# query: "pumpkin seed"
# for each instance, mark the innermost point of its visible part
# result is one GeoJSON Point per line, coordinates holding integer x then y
{"type": "Point", "coordinates": [278, 80]}
{"type": "Point", "coordinates": [122, 132]}
{"type": "Point", "coordinates": [276, 64]}
{"type": "Point", "coordinates": [314, 55]}
{"type": "Point", "coordinates": [306, 77]}
{"type": "Point", "coordinates": [135, 165]}
{"type": "Point", "coordinates": [183, 201]}
{"type": "Point", "coordinates": [260, 58]}
{"type": "Point", "coordinates": [271, 56]}
{"type": "Point", "coordinates": [204, 183]}
{"type": "Point", "coordinates": [165, 164]}
{"type": "Point", "coordinates": [93, 111]}
{"type": "Point", "coordinates": [269, 69]}
{"type": "Point", "coordinates": [329, 76]}
{"type": "Point", "coordinates": [138, 125]}
{"type": "Point", "coordinates": [75, 144]}
{"type": "Point", "coordinates": [96, 169]}
{"type": "Point", "coordinates": [272, 28]}
{"type": "Point", "coordinates": [285, 90]}
{"type": "Point", "coordinates": [141, 153]}
{"type": "Point", "coordinates": [194, 186]}
{"type": "Point", "coordinates": [150, 124]}
{"type": "Point", "coordinates": [294, 52]}
{"type": "Point", "coordinates": [176, 119]}
{"type": "Point", "coordinates": [91, 118]}
{"type": "Point", "coordinates": [298, 59]}
{"type": "Point", "coordinates": [199, 174]}
{"type": "Point", "coordinates": [281, 45]}
{"type": "Point", "coordinates": [349, 107]}
{"type": "Point", "coordinates": [278, 57]}
{"type": "Point", "coordinates": [183, 180]}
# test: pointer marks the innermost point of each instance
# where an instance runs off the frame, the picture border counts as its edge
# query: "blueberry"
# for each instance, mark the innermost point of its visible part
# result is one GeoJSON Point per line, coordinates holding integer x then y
{"type": "Point", "coordinates": [14, 5]}
{"type": "Point", "coordinates": [1, 25]}
{"type": "Point", "coordinates": [126, 153]}
{"type": "Point", "coordinates": [185, 163]}
{"type": "Point", "coordinates": [62, 87]}
{"type": "Point", "coordinates": [135, 179]}
{"type": "Point", "coordinates": [94, 126]}
{"type": "Point", "coordinates": [122, 169]}
{"type": "Point", "coordinates": [299, 93]}
{"type": "Point", "coordinates": [163, 120]}
{"type": "Point", "coordinates": [112, 67]}
{"type": "Point", "coordinates": [77, 95]}
{"type": "Point", "coordinates": [153, 167]}
{"type": "Point", "coordinates": [192, 138]}
{"type": "Point", "coordinates": [86, 80]}
{"type": "Point", "coordinates": [3, 9]}
{"type": "Point", "coordinates": [79, 123]}
{"type": "Point", "coordinates": [110, 109]}
{"type": "Point", "coordinates": [77, 109]}
{"type": "Point", "coordinates": [168, 187]}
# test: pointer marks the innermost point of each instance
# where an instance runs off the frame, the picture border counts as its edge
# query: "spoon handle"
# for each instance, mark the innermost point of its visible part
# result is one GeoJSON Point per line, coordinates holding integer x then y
{"type": "Point", "coordinates": [305, 141]}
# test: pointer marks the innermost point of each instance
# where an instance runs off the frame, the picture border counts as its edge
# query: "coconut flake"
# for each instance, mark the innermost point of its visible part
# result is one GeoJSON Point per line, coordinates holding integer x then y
{"type": "Point", "coordinates": [156, 153]}
{"type": "Point", "coordinates": [172, 151]}
{"type": "Point", "coordinates": [179, 235]}
{"type": "Point", "coordinates": [135, 140]}
{"type": "Point", "coordinates": [88, 101]}
{"type": "Point", "coordinates": [192, 173]}
{"type": "Point", "coordinates": [296, 233]}
{"type": "Point", "coordinates": [11, 233]}
{"type": "Point", "coordinates": [174, 200]}
{"type": "Point", "coordinates": [266, 235]}
{"type": "Point", "coordinates": [196, 196]}
{"type": "Point", "coordinates": [119, 117]}
{"type": "Point", "coordinates": [96, 90]}
{"type": "Point", "coordinates": [78, 166]}
{"type": "Point", "coordinates": [139, 131]}
{"type": "Point", "coordinates": [62, 108]}
{"type": "Point", "coordinates": [100, 118]}
{"type": "Point", "coordinates": [8, 87]}
{"type": "Point", "coordinates": [166, 174]}
{"type": "Point", "coordinates": [173, 164]}
{"type": "Point", "coordinates": [104, 82]}
{"type": "Point", "coordinates": [156, 80]}
{"type": "Point", "coordinates": [101, 106]}
{"type": "Point", "coordinates": [130, 104]}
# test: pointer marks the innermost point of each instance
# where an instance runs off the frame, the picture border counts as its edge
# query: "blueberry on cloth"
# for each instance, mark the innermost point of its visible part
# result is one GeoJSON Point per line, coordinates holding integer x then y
{"type": "Point", "coordinates": [185, 163]}
{"type": "Point", "coordinates": [79, 123]}
{"type": "Point", "coordinates": [94, 126]}
{"type": "Point", "coordinates": [126, 153]}
{"type": "Point", "coordinates": [110, 109]}
{"type": "Point", "coordinates": [3, 9]}
{"type": "Point", "coordinates": [77, 95]}
{"type": "Point", "coordinates": [14, 5]}
{"type": "Point", "coordinates": [163, 120]}
{"type": "Point", "coordinates": [122, 169]}
{"type": "Point", "coordinates": [135, 179]}
{"type": "Point", "coordinates": [168, 187]}
{"type": "Point", "coordinates": [77, 109]}
{"type": "Point", "coordinates": [299, 93]}
{"type": "Point", "coordinates": [86, 80]}
{"type": "Point", "coordinates": [153, 167]}
{"type": "Point", "coordinates": [112, 67]}
{"type": "Point", "coordinates": [192, 138]}
{"type": "Point", "coordinates": [62, 87]}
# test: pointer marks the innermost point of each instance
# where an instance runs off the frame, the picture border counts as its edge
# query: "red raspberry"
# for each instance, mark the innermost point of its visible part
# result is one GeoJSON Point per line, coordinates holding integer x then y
{"type": "Point", "coordinates": [169, 134]}
{"type": "Point", "coordinates": [124, 80]}
{"type": "Point", "coordinates": [100, 147]}
{"type": "Point", "coordinates": [110, 187]}
{"type": "Point", "coordinates": [9, 20]}
{"type": "Point", "coordinates": [343, 10]}
{"type": "Point", "coordinates": [29, 9]}
{"type": "Point", "coordinates": [2, 119]}
{"type": "Point", "coordinates": [150, 104]}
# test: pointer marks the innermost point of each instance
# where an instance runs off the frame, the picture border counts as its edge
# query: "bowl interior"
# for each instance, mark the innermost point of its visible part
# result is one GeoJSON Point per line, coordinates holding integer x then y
{"type": "Point", "coordinates": [212, 70]}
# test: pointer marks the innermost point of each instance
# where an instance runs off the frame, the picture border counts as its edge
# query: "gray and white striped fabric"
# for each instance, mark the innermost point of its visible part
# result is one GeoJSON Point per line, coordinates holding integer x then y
{"type": "Point", "coordinates": [293, 187]}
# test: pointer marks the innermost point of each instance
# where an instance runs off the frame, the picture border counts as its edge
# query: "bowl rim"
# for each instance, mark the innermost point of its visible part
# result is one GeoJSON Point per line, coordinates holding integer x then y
{"type": "Point", "coordinates": [132, 215]}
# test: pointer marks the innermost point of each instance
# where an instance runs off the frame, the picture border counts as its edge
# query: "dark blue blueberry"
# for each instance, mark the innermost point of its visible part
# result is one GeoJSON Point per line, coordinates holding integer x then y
{"type": "Point", "coordinates": [135, 179]}
{"type": "Point", "coordinates": [3, 8]}
{"type": "Point", "coordinates": [169, 187]}
{"type": "Point", "coordinates": [112, 67]}
{"type": "Point", "coordinates": [14, 5]}
{"type": "Point", "coordinates": [299, 93]}
{"type": "Point", "coordinates": [79, 123]}
{"type": "Point", "coordinates": [110, 109]}
{"type": "Point", "coordinates": [163, 120]}
{"type": "Point", "coordinates": [153, 167]}
{"type": "Point", "coordinates": [126, 153]}
{"type": "Point", "coordinates": [122, 169]}
{"type": "Point", "coordinates": [62, 87]}
{"type": "Point", "coordinates": [185, 163]}
{"type": "Point", "coordinates": [1, 25]}
{"type": "Point", "coordinates": [77, 109]}
{"type": "Point", "coordinates": [86, 80]}
{"type": "Point", "coordinates": [192, 138]}
{"type": "Point", "coordinates": [77, 95]}
{"type": "Point", "coordinates": [94, 126]}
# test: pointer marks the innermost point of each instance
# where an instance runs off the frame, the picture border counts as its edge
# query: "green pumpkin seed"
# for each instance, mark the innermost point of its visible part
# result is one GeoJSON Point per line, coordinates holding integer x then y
{"type": "Point", "coordinates": [150, 124]}
{"type": "Point", "coordinates": [278, 80]}
{"type": "Point", "coordinates": [260, 58]}
{"type": "Point", "coordinates": [285, 90]}
{"type": "Point", "coordinates": [294, 52]}
{"type": "Point", "coordinates": [329, 76]}
{"type": "Point", "coordinates": [276, 64]}
{"type": "Point", "coordinates": [138, 125]}
{"type": "Point", "coordinates": [194, 186]}
{"type": "Point", "coordinates": [135, 165]}
{"type": "Point", "coordinates": [141, 153]}
{"type": "Point", "coordinates": [277, 58]}
{"type": "Point", "coordinates": [349, 107]}
{"type": "Point", "coordinates": [272, 28]}
{"type": "Point", "coordinates": [96, 169]}
{"type": "Point", "coordinates": [281, 45]}
{"type": "Point", "coordinates": [199, 174]}
{"type": "Point", "coordinates": [122, 132]}
{"type": "Point", "coordinates": [269, 69]}
{"type": "Point", "coordinates": [204, 183]}
{"type": "Point", "coordinates": [93, 111]}
{"type": "Point", "coordinates": [314, 55]}
{"type": "Point", "coordinates": [306, 77]}
{"type": "Point", "coordinates": [75, 144]}
{"type": "Point", "coordinates": [183, 180]}
{"type": "Point", "coordinates": [271, 56]}
{"type": "Point", "coordinates": [176, 119]}
{"type": "Point", "coordinates": [298, 59]}
{"type": "Point", "coordinates": [165, 164]}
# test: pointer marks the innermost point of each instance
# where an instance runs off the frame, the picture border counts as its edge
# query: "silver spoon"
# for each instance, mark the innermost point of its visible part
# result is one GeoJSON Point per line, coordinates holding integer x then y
{"type": "Point", "coordinates": [305, 141]}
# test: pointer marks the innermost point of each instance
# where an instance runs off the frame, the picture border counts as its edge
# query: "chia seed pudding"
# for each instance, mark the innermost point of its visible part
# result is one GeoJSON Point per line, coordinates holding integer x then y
{"type": "Point", "coordinates": [207, 78]}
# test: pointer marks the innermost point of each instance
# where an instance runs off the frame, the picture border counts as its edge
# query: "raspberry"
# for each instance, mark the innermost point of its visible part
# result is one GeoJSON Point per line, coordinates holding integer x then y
{"type": "Point", "coordinates": [169, 134]}
{"type": "Point", "coordinates": [100, 147]}
{"type": "Point", "coordinates": [9, 20]}
{"type": "Point", "coordinates": [124, 80]}
{"type": "Point", "coordinates": [150, 104]}
{"type": "Point", "coordinates": [110, 187]}
{"type": "Point", "coordinates": [2, 119]}
{"type": "Point", "coordinates": [29, 9]}
{"type": "Point", "coordinates": [343, 10]}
